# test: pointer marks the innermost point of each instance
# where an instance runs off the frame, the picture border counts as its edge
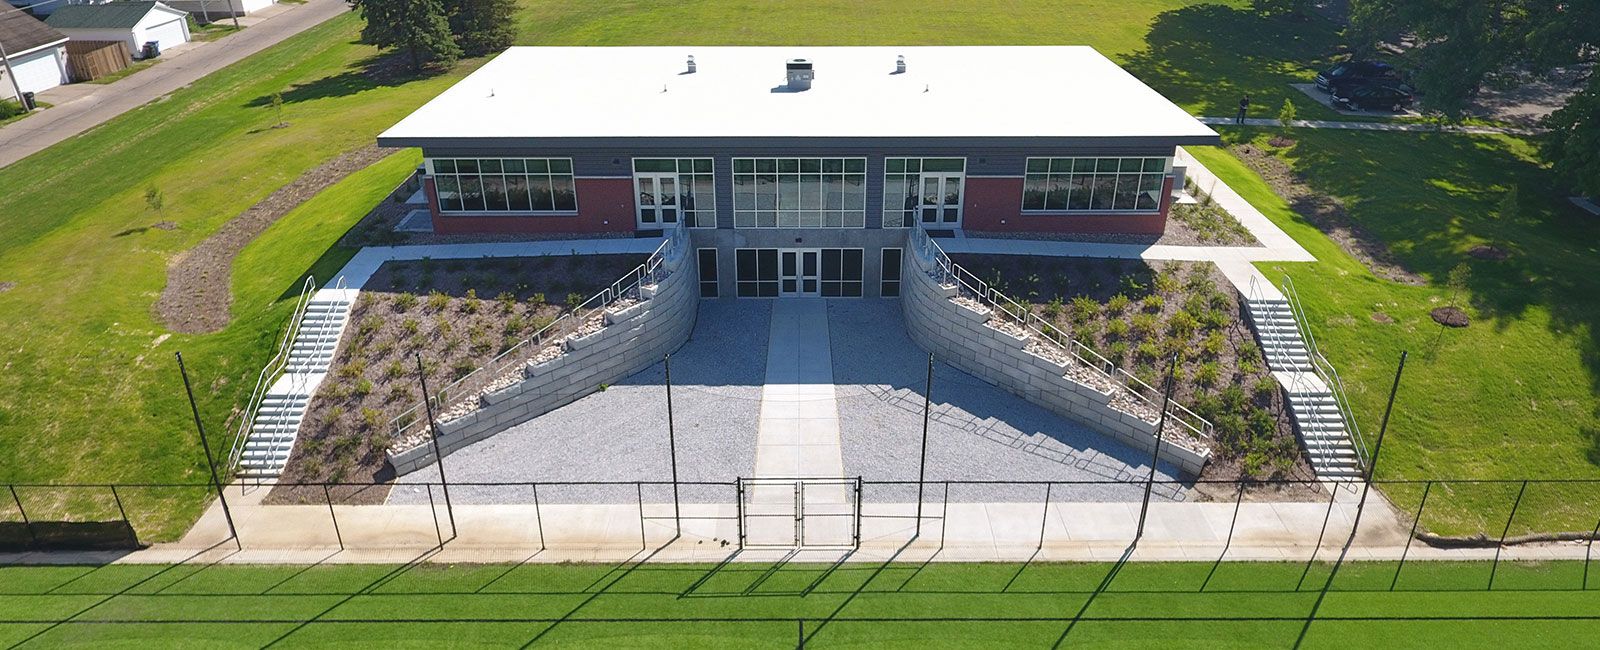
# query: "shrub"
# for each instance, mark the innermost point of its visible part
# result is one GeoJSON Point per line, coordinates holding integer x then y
{"type": "Point", "coordinates": [370, 419]}
{"type": "Point", "coordinates": [437, 300]}
{"type": "Point", "coordinates": [368, 326]}
{"type": "Point", "coordinates": [1148, 351]}
{"type": "Point", "coordinates": [353, 369]}
{"type": "Point", "coordinates": [1195, 303]}
{"type": "Point", "coordinates": [410, 326]}
{"type": "Point", "coordinates": [471, 303]}
{"type": "Point", "coordinates": [1084, 309]}
{"type": "Point", "coordinates": [362, 388]}
{"type": "Point", "coordinates": [1052, 309]}
{"type": "Point", "coordinates": [1213, 319]}
{"type": "Point", "coordinates": [1144, 324]}
{"type": "Point", "coordinates": [383, 349]}
{"type": "Point", "coordinates": [1166, 282]}
{"type": "Point", "coordinates": [1207, 374]}
{"type": "Point", "coordinates": [1264, 388]}
{"type": "Point", "coordinates": [1117, 352]}
{"type": "Point", "coordinates": [405, 301]}
{"type": "Point", "coordinates": [1211, 346]}
{"type": "Point", "coordinates": [514, 325]}
{"type": "Point", "coordinates": [1117, 329]}
{"type": "Point", "coordinates": [394, 370]}
{"type": "Point", "coordinates": [1249, 352]}
{"type": "Point", "coordinates": [462, 367]}
{"type": "Point", "coordinates": [9, 108]}
{"type": "Point", "coordinates": [536, 300]}
{"type": "Point", "coordinates": [1119, 303]}
{"type": "Point", "coordinates": [1183, 325]}
{"type": "Point", "coordinates": [574, 301]}
{"type": "Point", "coordinates": [1153, 302]}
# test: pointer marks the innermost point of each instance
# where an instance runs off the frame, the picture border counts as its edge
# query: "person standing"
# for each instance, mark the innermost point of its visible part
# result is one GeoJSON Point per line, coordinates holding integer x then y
{"type": "Point", "coordinates": [1244, 107]}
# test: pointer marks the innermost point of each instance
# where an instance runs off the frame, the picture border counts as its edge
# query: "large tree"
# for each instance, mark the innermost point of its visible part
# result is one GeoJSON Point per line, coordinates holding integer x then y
{"type": "Point", "coordinates": [482, 26]}
{"type": "Point", "coordinates": [419, 27]}
{"type": "Point", "coordinates": [1461, 43]}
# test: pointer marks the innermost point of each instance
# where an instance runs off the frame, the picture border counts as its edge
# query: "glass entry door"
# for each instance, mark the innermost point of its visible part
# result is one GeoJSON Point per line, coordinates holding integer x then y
{"type": "Point", "coordinates": [658, 198]}
{"type": "Point", "coordinates": [941, 198]}
{"type": "Point", "coordinates": [799, 272]}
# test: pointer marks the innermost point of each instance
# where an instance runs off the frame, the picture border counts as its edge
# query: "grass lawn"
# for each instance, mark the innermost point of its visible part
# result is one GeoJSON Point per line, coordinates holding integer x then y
{"type": "Point", "coordinates": [1434, 605]}
{"type": "Point", "coordinates": [123, 73]}
{"type": "Point", "coordinates": [1516, 394]}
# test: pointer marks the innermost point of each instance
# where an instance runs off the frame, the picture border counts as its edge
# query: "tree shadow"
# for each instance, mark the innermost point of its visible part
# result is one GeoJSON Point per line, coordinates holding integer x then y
{"type": "Point", "coordinates": [1206, 56]}
{"type": "Point", "coordinates": [383, 70]}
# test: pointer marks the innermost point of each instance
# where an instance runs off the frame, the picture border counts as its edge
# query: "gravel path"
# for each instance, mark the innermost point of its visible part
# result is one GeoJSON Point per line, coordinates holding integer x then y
{"type": "Point", "coordinates": [977, 432]}
{"type": "Point", "coordinates": [620, 434]}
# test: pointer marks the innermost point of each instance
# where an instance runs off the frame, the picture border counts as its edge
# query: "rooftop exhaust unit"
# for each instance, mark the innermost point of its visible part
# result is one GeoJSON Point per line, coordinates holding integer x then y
{"type": "Point", "coordinates": [900, 64]}
{"type": "Point", "coordinates": [800, 74]}
{"type": "Point", "coordinates": [691, 64]}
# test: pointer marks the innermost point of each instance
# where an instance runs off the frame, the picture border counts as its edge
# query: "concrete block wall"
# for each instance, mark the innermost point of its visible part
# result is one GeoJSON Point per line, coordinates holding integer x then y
{"type": "Point", "coordinates": [633, 339]}
{"type": "Point", "coordinates": [958, 335]}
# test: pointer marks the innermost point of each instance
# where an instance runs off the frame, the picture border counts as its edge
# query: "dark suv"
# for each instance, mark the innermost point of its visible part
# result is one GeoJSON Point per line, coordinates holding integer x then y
{"type": "Point", "coordinates": [1352, 72]}
{"type": "Point", "coordinates": [1372, 96]}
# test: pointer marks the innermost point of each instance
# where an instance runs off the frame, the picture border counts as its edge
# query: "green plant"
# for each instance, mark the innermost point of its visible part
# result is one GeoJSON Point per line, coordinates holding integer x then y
{"type": "Point", "coordinates": [370, 418]}
{"type": "Point", "coordinates": [507, 300]}
{"type": "Point", "coordinates": [536, 300]}
{"type": "Point", "coordinates": [514, 325]}
{"type": "Point", "coordinates": [1118, 303]}
{"type": "Point", "coordinates": [1084, 309]}
{"type": "Point", "coordinates": [410, 326]}
{"type": "Point", "coordinates": [1167, 283]}
{"type": "Point", "coordinates": [1287, 115]}
{"type": "Point", "coordinates": [470, 303]}
{"type": "Point", "coordinates": [1117, 352]}
{"type": "Point", "coordinates": [1117, 329]}
{"type": "Point", "coordinates": [462, 367]}
{"type": "Point", "coordinates": [154, 200]}
{"type": "Point", "coordinates": [1144, 325]}
{"type": "Point", "coordinates": [1207, 374]}
{"type": "Point", "coordinates": [1265, 388]}
{"type": "Point", "coordinates": [437, 300]}
{"type": "Point", "coordinates": [405, 301]}
{"type": "Point", "coordinates": [1052, 309]}
{"type": "Point", "coordinates": [362, 388]}
{"type": "Point", "coordinates": [574, 301]}
{"type": "Point", "coordinates": [1153, 302]}
{"type": "Point", "coordinates": [1182, 325]}
{"type": "Point", "coordinates": [394, 370]}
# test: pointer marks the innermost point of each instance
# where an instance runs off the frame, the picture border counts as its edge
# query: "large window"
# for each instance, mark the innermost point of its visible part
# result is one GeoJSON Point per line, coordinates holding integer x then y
{"type": "Point", "coordinates": [707, 258]}
{"type": "Point", "coordinates": [1093, 184]}
{"type": "Point", "coordinates": [756, 272]}
{"type": "Point", "coordinates": [526, 185]}
{"type": "Point", "coordinates": [889, 273]}
{"type": "Point", "coordinates": [799, 192]}
{"type": "Point", "coordinates": [922, 188]}
{"type": "Point", "coordinates": [841, 272]}
{"type": "Point", "coordinates": [670, 187]}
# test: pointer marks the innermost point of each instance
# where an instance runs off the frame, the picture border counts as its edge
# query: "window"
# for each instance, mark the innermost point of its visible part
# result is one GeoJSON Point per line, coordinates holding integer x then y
{"type": "Point", "coordinates": [517, 185]}
{"type": "Point", "coordinates": [707, 259]}
{"type": "Point", "coordinates": [757, 272]}
{"type": "Point", "coordinates": [799, 192]}
{"type": "Point", "coordinates": [929, 187]}
{"type": "Point", "coordinates": [1093, 184]}
{"type": "Point", "coordinates": [889, 273]}
{"type": "Point", "coordinates": [841, 272]}
{"type": "Point", "coordinates": [668, 187]}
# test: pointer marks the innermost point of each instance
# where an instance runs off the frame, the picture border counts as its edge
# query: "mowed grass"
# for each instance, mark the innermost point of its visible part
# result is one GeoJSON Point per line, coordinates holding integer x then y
{"type": "Point", "coordinates": [1516, 394]}
{"type": "Point", "coordinates": [89, 390]}
{"type": "Point", "coordinates": [1200, 604]}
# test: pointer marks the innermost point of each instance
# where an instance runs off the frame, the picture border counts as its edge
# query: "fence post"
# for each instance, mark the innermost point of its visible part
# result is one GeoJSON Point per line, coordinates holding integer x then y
{"type": "Point", "coordinates": [118, 498]}
{"type": "Point", "coordinates": [25, 522]}
{"type": "Point", "coordinates": [1233, 523]}
{"type": "Point", "coordinates": [1426, 488]}
{"type": "Point", "coordinates": [335, 518]}
{"type": "Point", "coordinates": [1586, 551]}
{"type": "Point", "coordinates": [922, 464]}
{"type": "Point", "coordinates": [438, 455]}
{"type": "Point", "coordinates": [1503, 532]}
{"type": "Point", "coordinates": [738, 505]}
{"type": "Point", "coordinates": [857, 538]}
{"type": "Point", "coordinates": [801, 623]}
{"type": "Point", "coordinates": [210, 462]}
{"type": "Point", "coordinates": [1333, 495]}
{"type": "Point", "coordinates": [1155, 453]}
{"type": "Point", "coordinates": [538, 518]}
{"type": "Point", "coordinates": [638, 489]}
{"type": "Point", "coordinates": [672, 449]}
{"type": "Point", "coordinates": [434, 510]}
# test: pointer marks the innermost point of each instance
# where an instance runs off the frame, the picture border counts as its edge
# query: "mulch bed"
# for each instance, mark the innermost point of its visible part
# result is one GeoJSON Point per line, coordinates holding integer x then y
{"type": "Point", "coordinates": [198, 295]}
{"type": "Point", "coordinates": [1450, 317]}
{"type": "Point", "coordinates": [1327, 214]}
{"type": "Point", "coordinates": [1083, 298]}
{"type": "Point", "coordinates": [1487, 252]}
{"type": "Point", "coordinates": [456, 314]}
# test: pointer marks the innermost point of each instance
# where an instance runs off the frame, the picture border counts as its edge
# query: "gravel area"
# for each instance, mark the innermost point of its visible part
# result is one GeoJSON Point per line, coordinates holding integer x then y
{"type": "Point", "coordinates": [620, 434]}
{"type": "Point", "coordinates": [977, 432]}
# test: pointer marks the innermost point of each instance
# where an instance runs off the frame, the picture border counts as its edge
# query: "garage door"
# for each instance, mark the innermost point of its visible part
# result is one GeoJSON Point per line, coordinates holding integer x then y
{"type": "Point", "coordinates": [170, 35]}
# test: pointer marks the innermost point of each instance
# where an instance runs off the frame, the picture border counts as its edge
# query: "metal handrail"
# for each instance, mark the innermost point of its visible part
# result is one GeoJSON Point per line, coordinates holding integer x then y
{"type": "Point", "coordinates": [1326, 371]}
{"type": "Point", "coordinates": [630, 285]}
{"type": "Point", "coordinates": [269, 373]}
{"type": "Point", "coordinates": [968, 285]}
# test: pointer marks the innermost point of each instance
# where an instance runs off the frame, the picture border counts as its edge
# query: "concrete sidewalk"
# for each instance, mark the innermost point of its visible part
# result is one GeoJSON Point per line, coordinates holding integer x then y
{"type": "Point", "coordinates": [1409, 127]}
{"type": "Point", "coordinates": [78, 109]}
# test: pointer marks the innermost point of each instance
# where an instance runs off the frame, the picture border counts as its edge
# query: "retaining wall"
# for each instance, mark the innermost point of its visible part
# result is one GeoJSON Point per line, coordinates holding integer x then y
{"type": "Point", "coordinates": [633, 339]}
{"type": "Point", "coordinates": [958, 335]}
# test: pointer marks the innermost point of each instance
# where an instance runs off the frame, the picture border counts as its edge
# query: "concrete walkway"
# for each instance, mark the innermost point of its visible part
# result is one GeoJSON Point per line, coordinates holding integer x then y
{"type": "Point", "coordinates": [1372, 126]}
{"type": "Point", "coordinates": [798, 432]}
{"type": "Point", "coordinates": [76, 110]}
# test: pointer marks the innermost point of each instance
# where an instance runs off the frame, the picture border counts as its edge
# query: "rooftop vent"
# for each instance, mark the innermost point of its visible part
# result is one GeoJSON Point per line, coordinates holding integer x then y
{"type": "Point", "coordinates": [800, 74]}
{"type": "Point", "coordinates": [691, 64]}
{"type": "Point", "coordinates": [900, 64]}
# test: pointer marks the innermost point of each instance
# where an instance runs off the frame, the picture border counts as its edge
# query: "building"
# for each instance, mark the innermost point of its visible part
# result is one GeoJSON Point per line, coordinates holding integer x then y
{"type": "Point", "coordinates": [133, 23]}
{"type": "Point", "coordinates": [35, 53]}
{"type": "Point", "coordinates": [799, 169]}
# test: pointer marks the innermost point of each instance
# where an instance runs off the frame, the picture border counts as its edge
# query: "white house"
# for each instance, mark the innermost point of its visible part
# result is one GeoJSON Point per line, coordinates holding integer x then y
{"type": "Point", "coordinates": [35, 53]}
{"type": "Point", "coordinates": [134, 23]}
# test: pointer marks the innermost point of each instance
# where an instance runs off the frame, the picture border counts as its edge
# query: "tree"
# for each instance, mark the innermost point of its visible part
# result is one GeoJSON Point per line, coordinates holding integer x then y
{"type": "Point", "coordinates": [277, 111]}
{"type": "Point", "coordinates": [1573, 143]}
{"type": "Point", "coordinates": [1286, 115]}
{"type": "Point", "coordinates": [482, 26]}
{"type": "Point", "coordinates": [1510, 205]}
{"type": "Point", "coordinates": [154, 200]}
{"type": "Point", "coordinates": [417, 26]}
{"type": "Point", "coordinates": [1278, 7]}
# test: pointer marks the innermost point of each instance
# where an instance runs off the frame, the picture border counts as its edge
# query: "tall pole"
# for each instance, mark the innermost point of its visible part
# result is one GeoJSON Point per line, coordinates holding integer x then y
{"type": "Point", "coordinates": [1155, 453]}
{"type": "Point", "coordinates": [922, 465]}
{"type": "Point", "coordinates": [204, 444]}
{"type": "Point", "coordinates": [433, 431]}
{"type": "Point", "coordinates": [672, 446]}
{"type": "Point", "coordinates": [6, 61]}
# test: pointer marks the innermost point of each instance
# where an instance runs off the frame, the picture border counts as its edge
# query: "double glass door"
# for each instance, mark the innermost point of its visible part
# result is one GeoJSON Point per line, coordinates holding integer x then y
{"type": "Point", "coordinates": [941, 198]}
{"type": "Point", "coordinates": [658, 198]}
{"type": "Point", "coordinates": [799, 272]}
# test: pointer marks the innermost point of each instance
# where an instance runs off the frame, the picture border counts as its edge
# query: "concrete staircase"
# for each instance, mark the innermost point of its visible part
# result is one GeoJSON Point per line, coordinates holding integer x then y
{"type": "Point", "coordinates": [1312, 402]}
{"type": "Point", "coordinates": [276, 421]}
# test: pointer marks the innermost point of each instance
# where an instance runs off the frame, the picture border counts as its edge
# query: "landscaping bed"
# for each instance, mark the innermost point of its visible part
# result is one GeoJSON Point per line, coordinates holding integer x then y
{"type": "Point", "coordinates": [1138, 315]}
{"type": "Point", "coordinates": [457, 315]}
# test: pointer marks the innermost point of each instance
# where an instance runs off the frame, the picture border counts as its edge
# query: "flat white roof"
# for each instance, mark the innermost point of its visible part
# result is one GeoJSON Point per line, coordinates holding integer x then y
{"type": "Point", "coordinates": [741, 92]}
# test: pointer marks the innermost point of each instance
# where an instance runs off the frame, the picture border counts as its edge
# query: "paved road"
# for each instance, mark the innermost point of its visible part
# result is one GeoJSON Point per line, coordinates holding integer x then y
{"type": "Point", "coordinates": [23, 138]}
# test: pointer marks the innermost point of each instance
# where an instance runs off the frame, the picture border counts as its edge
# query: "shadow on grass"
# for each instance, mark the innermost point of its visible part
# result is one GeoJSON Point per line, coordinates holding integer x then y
{"type": "Point", "coordinates": [1206, 56]}
{"type": "Point", "coordinates": [374, 72]}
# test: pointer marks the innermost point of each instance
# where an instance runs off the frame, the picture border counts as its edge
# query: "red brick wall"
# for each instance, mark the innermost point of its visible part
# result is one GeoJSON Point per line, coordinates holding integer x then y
{"type": "Point", "coordinates": [995, 205]}
{"type": "Point", "coordinates": [604, 205]}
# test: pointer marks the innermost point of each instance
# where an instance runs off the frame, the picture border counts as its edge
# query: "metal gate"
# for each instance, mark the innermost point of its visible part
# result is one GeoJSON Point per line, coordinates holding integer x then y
{"type": "Point", "coordinates": [800, 513]}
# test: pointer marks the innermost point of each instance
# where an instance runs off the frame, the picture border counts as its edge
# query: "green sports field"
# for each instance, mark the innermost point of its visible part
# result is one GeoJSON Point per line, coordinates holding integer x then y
{"type": "Point", "coordinates": [1198, 604]}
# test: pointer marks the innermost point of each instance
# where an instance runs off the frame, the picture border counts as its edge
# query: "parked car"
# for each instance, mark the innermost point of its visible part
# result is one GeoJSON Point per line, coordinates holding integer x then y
{"type": "Point", "coordinates": [1373, 96]}
{"type": "Point", "coordinates": [1355, 71]}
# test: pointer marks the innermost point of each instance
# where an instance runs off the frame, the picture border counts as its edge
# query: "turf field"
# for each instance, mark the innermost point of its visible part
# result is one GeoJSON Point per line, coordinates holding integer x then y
{"type": "Point", "coordinates": [1199, 604]}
